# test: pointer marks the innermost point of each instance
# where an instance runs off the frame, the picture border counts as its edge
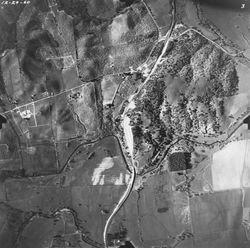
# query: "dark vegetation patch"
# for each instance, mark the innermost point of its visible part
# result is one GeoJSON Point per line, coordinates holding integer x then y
{"type": "Point", "coordinates": [127, 244]}
{"type": "Point", "coordinates": [46, 110]}
{"type": "Point", "coordinates": [76, 8]}
{"type": "Point", "coordinates": [247, 121]}
{"type": "Point", "coordinates": [2, 86]}
{"type": "Point", "coordinates": [42, 5]}
{"type": "Point", "coordinates": [64, 115]}
{"type": "Point", "coordinates": [130, 21]}
{"type": "Point", "coordinates": [8, 18]}
{"type": "Point", "coordinates": [7, 35]}
{"type": "Point", "coordinates": [121, 235]}
{"type": "Point", "coordinates": [53, 85]}
{"type": "Point", "coordinates": [208, 76]}
{"type": "Point", "coordinates": [33, 24]}
{"type": "Point", "coordinates": [162, 210]}
{"type": "Point", "coordinates": [5, 174]}
{"type": "Point", "coordinates": [150, 104]}
{"type": "Point", "coordinates": [10, 138]}
{"type": "Point", "coordinates": [128, 2]}
{"type": "Point", "coordinates": [187, 96]}
{"type": "Point", "coordinates": [54, 82]}
{"type": "Point", "coordinates": [33, 64]}
{"type": "Point", "coordinates": [2, 121]}
{"type": "Point", "coordinates": [180, 161]}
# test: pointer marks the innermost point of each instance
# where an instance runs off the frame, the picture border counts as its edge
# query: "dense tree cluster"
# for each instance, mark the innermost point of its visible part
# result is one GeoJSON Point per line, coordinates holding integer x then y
{"type": "Point", "coordinates": [145, 118]}
{"type": "Point", "coordinates": [186, 96]}
{"type": "Point", "coordinates": [193, 57]}
{"type": "Point", "coordinates": [209, 75]}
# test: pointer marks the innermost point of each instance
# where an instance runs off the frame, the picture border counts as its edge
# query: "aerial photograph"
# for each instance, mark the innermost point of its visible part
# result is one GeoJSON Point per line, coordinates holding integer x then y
{"type": "Point", "coordinates": [125, 124]}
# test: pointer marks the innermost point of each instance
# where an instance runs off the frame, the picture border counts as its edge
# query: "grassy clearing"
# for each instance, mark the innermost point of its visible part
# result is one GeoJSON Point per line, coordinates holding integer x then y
{"type": "Point", "coordinates": [228, 164]}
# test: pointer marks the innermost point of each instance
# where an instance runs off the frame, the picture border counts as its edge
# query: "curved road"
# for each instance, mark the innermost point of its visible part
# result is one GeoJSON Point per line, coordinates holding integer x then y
{"type": "Point", "coordinates": [119, 205]}
{"type": "Point", "coordinates": [128, 129]}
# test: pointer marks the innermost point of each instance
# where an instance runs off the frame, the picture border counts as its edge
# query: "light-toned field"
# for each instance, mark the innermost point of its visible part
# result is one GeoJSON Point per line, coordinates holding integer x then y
{"type": "Point", "coordinates": [109, 85]}
{"type": "Point", "coordinates": [237, 104]}
{"type": "Point", "coordinates": [99, 165]}
{"type": "Point", "coordinates": [243, 74]}
{"type": "Point", "coordinates": [118, 28]}
{"type": "Point", "coordinates": [103, 174]}
{"type": "Point", "coordinates": [228, 165]}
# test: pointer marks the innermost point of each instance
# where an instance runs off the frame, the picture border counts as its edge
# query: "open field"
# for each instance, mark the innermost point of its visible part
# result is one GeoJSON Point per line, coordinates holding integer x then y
{"type": "Point", "coordinates": [41, 64]}
{"type": "Point", "coordinates": [88, 116]}
{"type": "Point", "coordinates": [154, 215]}
{"type": "Point", "coordinates": [161, 11]}
{"type": "Point", "coordinates": [217, 220]}
{"type": "Point", "coordinates": [85, 85]}
{"type": "Point", "coordinates": [236, 28]}
{"type": "Point", "coordinates": [109, 167]}
{"type": "Point", "coordinates": [11, 74]}
{"type": "Point", "coordinates": [64, 123]}
{"type": "Point", "coordinates": [187, 13]}
{"type": "Point", "coordinates": [10, 221]}
{"type": "Point", "coordinates": [57, 230]}
{"type": "Point", "coordinates": [41, 232]}
{"type": "Point", "coordinates": [125, 42]}
{"type": "Point", "coordinates": [35, 163]}
{"type": "Point", "coordinates": [97, 170]}
{"type": "Point", "coordinates": [243, 73]}
{"type": "Point", "coordinates": [228, 165]}
{"type": "Point", "coordinates": [109, 85]}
